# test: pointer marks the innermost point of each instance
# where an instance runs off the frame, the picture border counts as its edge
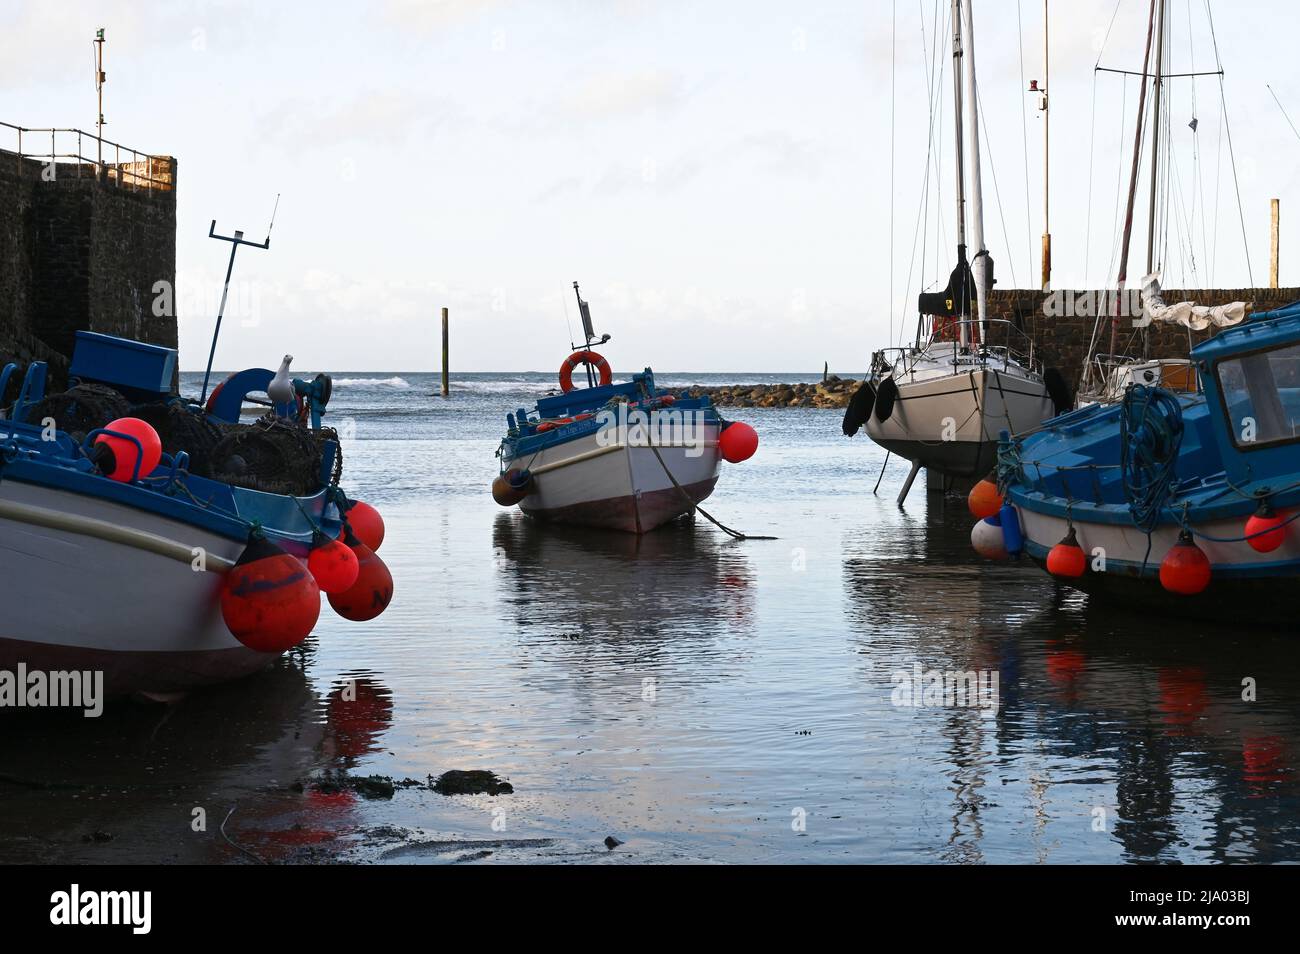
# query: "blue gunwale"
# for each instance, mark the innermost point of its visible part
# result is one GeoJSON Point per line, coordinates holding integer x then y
{"type": "Point", "coordinates": [525, 440]}
{"type": "Point", "coordinates": [226, 510]}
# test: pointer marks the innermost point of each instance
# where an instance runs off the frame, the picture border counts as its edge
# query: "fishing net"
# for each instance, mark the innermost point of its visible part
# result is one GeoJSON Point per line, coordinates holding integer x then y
{"type": "Point", "coordinates": [182, 429]}
{"type": "Point", "coordinates": [271, 455]}
{"type": "Point", "coordinates": [81, 409]}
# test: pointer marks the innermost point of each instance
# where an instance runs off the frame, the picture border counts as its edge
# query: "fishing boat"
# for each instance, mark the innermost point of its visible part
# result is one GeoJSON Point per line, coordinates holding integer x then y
{"type": "Point", "coordinates": [161, 542]}
{"type": "Point", "coordinates": [625, 456]}
{"type": "Point", "coordinates": [1172, 500]}
{"type": "Point", "coordinates": [942, 401]}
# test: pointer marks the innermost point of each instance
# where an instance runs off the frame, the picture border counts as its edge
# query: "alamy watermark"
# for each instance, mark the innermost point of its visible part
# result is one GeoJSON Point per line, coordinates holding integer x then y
{"type": "Point", "coordinates": [37, 688]}
{"type": "Point", "coordinates": [920, 688]}
{"type": "Point", "coordinates": [659, 427]}
{"type": "Point", "coordinates": [1064, 303]}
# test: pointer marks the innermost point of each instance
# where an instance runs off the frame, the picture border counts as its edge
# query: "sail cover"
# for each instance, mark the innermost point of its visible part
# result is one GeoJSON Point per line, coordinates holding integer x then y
{"type": "Point", "coordinates": [1187, 313]}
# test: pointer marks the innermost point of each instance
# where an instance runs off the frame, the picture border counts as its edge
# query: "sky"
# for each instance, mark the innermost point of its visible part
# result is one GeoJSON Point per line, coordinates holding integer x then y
{"type": "Point", "coordinates": [737, 186]}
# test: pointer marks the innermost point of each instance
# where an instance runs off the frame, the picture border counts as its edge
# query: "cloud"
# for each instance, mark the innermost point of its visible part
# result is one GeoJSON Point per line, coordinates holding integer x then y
{"type": "Point", "coordinates": [622, 93]}
{"type": "Point", "coordinates": [426, 16]}
{"type": "Point", "coordinates": [385, 117]}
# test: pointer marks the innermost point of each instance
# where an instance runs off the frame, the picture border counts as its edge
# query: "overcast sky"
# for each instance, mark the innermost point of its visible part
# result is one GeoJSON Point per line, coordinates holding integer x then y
{"type": "Point", "coordinates": [716, 175]}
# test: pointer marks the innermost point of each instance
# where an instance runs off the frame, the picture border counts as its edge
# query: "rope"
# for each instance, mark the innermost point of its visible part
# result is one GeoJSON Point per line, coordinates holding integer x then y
{"type": "Point", "coordinates": [1150, 434]}
{"type": "Point", "coordinates": [695, 506]}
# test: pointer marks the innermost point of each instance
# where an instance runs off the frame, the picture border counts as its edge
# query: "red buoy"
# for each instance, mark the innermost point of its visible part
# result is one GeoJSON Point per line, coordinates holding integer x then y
{"type": "Point", "coordinates": [371, 593]}
{"type": "Point", "coordinates": [270, 601]}
{"type": "Point", "coordinates": [984, 499]}
{"type": "Point", "coordinates": [332, 563]}
{"type": "Point", "coordinates": [1185, 568]}
{"type": "Point", "coordinates": [1067, 558]}
{"type": "Point", "coordinates": [738, 441]}
{"type": "Point", "coordinates": [1265, 530]}
{"type": "Point", "coordinates": [366, 524]}
{"type": "Point", "coordinates": [116, 456]}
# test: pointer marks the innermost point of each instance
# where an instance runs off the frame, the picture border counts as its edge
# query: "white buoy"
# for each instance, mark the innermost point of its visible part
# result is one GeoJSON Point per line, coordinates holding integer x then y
{"type": "Point", "coordinates": [280, 390]}
{"type": "Point", "coordinates": [986, 538]}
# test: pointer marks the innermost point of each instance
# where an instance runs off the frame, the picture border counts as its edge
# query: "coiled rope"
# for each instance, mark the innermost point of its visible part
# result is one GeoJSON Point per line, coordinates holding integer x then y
{"type": "Point", "coordinates": [1150, 434]}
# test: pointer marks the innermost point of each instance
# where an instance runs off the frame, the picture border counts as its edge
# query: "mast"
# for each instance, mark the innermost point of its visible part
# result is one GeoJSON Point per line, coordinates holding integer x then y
{"type": "Point", "coordinates": [964, 333]}
{"type": "Point", "coordinates": [1156, 87]}
{"type": "Point", "coordinates": [1132, 187]}
{"type": "Point", "coordinates": [1047, 227]}
{"type": "Point", "coordinates": [980, 261]}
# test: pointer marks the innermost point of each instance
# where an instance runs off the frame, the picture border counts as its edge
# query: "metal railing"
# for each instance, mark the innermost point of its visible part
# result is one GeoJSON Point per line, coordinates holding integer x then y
{"type": "Point", "coordinates": [66, 147]}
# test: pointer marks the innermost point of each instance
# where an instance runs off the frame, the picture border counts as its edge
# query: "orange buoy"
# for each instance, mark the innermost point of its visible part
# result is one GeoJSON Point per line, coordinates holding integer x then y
{"type": "Point", "coordinates": [332, 563]}
{"type": "Point", "coordinates": [738, 441]}
{"type": "Point", "coordinates": [1185, 568]}
{"type": "Point", "coordinates": [512, 486]}
{"type": "Point", "coordinates": [371, 593]}
{"type": "Point", "coordinates": [117, 456]}
{"type": "Point", "coordinates": [589, 358]}
{"type": "Point", "coordinates": [1067, 558]}
{"type": "Point", "coordinates": [984, 499]}
{"type": "Point", "coordinates": [1265, 530]}
{"type": "Point", "coordinates": [270, 601]}
{"type": "Point", "coordinates": [366, 523]}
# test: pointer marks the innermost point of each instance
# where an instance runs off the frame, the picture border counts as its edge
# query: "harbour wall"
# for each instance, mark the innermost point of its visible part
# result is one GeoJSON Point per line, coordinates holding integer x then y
{"type": "Point", "coordinates": [83, 246]}
{"type": "Point", "coordinates": [1061, 326]}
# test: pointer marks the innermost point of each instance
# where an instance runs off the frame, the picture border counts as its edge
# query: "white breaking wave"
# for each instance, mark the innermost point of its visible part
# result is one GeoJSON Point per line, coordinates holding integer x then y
{"type": "Point", "coordinates": [394, 382]}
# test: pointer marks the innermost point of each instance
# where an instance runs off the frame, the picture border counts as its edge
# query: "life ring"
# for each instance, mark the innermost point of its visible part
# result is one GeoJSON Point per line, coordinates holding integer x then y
{"type": "Point", "coordinates": [589, 358]}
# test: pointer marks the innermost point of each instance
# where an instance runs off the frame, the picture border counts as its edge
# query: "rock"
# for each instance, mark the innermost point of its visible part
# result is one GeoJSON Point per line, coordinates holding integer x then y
{"type": "Point", "coordinates": [611, 842]}
{"type": "Point", "coordinates": [476, 782]}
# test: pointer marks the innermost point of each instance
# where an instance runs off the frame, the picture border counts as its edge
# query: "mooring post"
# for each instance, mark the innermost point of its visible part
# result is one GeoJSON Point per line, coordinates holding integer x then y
{"type": "Point", "coordinates": [446, 356]}
{"type": "Point", "coordinates": [1273, 247]}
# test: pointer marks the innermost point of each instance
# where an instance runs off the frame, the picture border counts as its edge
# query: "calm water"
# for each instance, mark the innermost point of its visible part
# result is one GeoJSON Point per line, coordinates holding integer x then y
{"type": "Point", "coordinates": [698, 698]}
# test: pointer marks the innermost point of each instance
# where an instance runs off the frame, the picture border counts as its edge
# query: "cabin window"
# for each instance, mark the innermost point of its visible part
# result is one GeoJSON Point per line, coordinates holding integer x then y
{"type": "Point", "coordinates": [1261, 394]}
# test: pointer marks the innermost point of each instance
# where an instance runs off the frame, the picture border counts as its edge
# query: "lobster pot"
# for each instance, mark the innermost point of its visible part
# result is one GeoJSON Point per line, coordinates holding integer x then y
{"type": "Point", "coordinates": [181, 429]}
{"type": "Point", "coordinates": [273, 456]}
{"type": "Point", "coordinates": [81, 409]}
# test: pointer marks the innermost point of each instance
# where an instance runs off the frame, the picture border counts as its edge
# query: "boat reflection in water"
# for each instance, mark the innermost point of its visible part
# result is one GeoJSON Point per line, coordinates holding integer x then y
{"type": "Point", "coordinates": [1118, 736]}
{"type": "Point", "coordinates": [683, 584]}
{"type": "Point", "coordinates": [149, 783]}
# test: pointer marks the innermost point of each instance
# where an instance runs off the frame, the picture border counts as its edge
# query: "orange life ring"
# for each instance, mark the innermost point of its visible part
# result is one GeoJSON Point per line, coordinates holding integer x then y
{"type": "Point", "coordinates": [589, 358]}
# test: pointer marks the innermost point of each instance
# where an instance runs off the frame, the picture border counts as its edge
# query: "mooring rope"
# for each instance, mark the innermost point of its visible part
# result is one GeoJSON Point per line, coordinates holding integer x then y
{"type": "Point", "coordinates": [695, 506]}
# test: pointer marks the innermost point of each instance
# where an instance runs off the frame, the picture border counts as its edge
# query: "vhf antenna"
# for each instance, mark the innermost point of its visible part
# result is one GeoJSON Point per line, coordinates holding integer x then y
{"type": "Point", "coordinates": [235, 241]}
{"type": "Point", "coordinates": [585, 310]}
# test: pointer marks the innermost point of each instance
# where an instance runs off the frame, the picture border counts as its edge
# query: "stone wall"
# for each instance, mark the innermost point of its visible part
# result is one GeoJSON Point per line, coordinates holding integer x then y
{"type": "Point", "coordinates": [81, 251]}
{"type": "Point", "coordinates": [1062, 340]}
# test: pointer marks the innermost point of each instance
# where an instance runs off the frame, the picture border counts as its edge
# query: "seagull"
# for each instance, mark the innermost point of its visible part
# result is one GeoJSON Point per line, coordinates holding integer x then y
{"type": "Point", "coordinates": [280, 390]}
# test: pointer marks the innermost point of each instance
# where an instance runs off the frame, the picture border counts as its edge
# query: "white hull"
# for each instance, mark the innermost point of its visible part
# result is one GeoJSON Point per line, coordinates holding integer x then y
{"type": "Point", "coordinates": [948, 416]}
{"type": "Point", "coordinates": [620, 485]}
{"type": "Point", "coordinates": [92, 584]}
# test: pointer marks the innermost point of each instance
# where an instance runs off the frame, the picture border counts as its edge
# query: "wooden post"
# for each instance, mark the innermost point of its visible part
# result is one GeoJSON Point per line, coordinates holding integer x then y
{"type": "Point", "coordinates": [1272, 257]}
{"type": "Point", "coordinates": [446, 355]}
{"type": "Point", "coordinates": [826, 371]}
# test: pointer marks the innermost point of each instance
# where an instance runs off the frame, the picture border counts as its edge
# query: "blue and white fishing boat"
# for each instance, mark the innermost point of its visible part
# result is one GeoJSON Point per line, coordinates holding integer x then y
{"type": "Point", "coordinates": [127, 573]}
{"type": "Point", "coordinates": [1183, 500]}
{"type": "Point", "coordinates": [628, 456]}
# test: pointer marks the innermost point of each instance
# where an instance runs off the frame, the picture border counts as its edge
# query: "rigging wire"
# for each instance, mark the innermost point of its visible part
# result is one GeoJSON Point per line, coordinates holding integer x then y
{"type": "Point", "coordinates": [997, 193]}
{"type": "Point", "coordinates": [1232, 154]}
{"type": "Point", "coordinates": [1024, 140]}
{"type": "Point", "coordinates": [1283, 108]}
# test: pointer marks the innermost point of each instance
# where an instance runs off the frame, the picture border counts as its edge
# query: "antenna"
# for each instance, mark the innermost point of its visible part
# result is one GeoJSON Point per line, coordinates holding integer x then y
{"type": "Point", "coordinates": [100, 77]}
{"type": "Point", "coordinates": [273, 211]}
{"type": "Point", "coordinates": [235, 241]}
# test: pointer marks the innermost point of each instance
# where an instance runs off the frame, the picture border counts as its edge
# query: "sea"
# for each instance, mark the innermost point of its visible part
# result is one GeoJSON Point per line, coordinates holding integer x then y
{"type": "Point", "coordinates": [863, 688]}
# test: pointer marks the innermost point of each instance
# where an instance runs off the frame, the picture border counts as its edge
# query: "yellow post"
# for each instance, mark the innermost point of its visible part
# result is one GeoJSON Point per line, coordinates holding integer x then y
{"type": "Point", "coordinates": [1273, 247]}
{"type": "Point", "coordinates": [446, 356]}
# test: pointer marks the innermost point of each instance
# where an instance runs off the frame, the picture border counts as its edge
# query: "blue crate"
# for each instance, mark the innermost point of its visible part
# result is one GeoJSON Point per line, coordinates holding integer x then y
{"type": "Point", "coordinates": [141, 371]}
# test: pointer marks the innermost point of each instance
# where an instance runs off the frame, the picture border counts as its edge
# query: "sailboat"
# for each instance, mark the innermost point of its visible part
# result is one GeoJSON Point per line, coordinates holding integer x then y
{"type": "Point", "coordinates": [942, 401]}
